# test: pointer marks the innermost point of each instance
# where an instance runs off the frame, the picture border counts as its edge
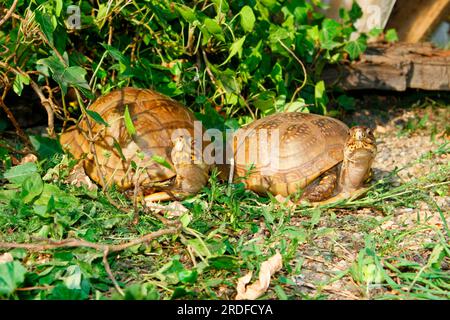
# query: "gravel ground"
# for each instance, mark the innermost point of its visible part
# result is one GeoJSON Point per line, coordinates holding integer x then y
{"type": "Point", "coordinates": [398, 146]}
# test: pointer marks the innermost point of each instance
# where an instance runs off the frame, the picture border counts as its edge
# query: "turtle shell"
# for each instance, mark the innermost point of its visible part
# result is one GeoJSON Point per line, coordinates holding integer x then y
{"type": "Point", "coordinates": [285, 152]}
{"type": "Point", "coordinates": [157, 120]}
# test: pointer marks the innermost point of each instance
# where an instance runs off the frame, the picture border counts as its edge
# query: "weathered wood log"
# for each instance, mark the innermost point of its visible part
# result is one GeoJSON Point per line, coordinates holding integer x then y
{"type": "Point", "coordinates": [415, 19]}
{"type": "Point", "coordinates": [394, 67]}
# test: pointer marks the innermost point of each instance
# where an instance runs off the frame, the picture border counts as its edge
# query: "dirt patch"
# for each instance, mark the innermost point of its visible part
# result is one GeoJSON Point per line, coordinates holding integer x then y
{"type": "Point", "coordinates": [403, 137]}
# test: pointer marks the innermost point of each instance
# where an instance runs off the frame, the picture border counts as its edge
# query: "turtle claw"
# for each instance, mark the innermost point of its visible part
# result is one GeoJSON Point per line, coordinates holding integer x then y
{"type": "Point", "coordinates": [347, 196]}
{"type": "Point", "coordinates": [157, 197]}
{"type": "Point", "coordinates": [165, 196]}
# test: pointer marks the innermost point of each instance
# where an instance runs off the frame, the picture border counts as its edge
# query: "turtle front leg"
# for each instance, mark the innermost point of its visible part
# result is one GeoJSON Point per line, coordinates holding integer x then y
{"type": "Point", "coordinates": [190, 180]}
{"type": "Point", "coordinates": [159, 196]}
{"type": "Point", "coordinates": [359, 152]}
{"type": "Point", "coordinates": [191, 176]}
{"type": "Point", "coordinates": [324, 189]}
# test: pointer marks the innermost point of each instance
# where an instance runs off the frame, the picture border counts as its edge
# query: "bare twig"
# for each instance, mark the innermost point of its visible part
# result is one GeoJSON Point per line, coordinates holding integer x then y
{"type": "Point", "coordinates": [155, 206]}
{"type": "Point", "coordinates": [305, 76]}
{"type": "Point", "coordinates": [13, 120]}
{"type": "Point", "coordinates": [48, 104]}
{"type": "Point", "coordinates": [35, 288]}
{"type": "Point", "coordinates": [9, 13]}
{"type": "Point", "coordinates": [21, 152]}
{"type": "Point", "coordinates": [212, 77]}
{"type": "Point", "coordinates": [73, 243]}
{"type": "Point", "coordinates": [106, 248]}
{"type": "Point", "coordinates": [109, 272]}
{"type": "Point", "coordinates": [248, 108]}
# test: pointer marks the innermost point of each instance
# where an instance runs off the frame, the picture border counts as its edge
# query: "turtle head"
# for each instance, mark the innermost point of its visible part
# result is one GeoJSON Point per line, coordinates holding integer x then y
{"type": "Point", "coordinates": [359, 152]}
{"type": "Point", "coordinates": [360, 137]}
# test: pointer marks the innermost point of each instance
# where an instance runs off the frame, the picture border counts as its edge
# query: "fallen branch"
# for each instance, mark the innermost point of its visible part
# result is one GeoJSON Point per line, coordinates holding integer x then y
{"type": "Point", "coordinates": [105, 248]}
{"type": "Point", "coordinates": [9, 13]}
{"type": "Point", "coordinates": [72, 242]}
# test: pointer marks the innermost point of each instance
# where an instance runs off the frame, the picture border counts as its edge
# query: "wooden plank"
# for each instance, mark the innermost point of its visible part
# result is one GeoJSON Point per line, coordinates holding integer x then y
{"type": "Point", "coordinates": [415, 19]}
{"type": "Point", "coordinates": [375, 12]}
{"type": "Point", "coordinates": [395, 67]}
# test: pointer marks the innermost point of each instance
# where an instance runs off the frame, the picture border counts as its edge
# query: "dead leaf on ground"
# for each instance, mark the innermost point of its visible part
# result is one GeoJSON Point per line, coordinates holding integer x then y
{"type": "Point", "coordinates": [173, 209]}
{"type": "Point", "coordinates": [78, 177]}
{"type": "Point", "coordinates": [29, 158]}
{"type": "Point", "coordinates": [6, 257]}
{"type": "Point", "coordinates": [259, 287]}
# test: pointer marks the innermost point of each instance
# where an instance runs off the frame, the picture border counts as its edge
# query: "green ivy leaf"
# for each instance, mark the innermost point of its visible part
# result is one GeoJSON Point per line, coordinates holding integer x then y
{"type": "Point", "coordinates": [45, 22]}
{"type": "Point", "coordinates": [346, 102]}
{"type": "Point", "coordinates": [268, 3]}
{"type": "Point", "coordinates": [61, 292]}
{"type": "Point", "coordinates": [313, 33]}
{"type": "Point", "coordinates": [235, 48]}
{"type": "Point", "coordinates": [67, 76]}
{"type": "Point", "coordinates": [214, 28]}
{"type": "Point", "coordinates": [187, 13]}
{"type": "Point", "coordinates": [228, 80]}
{"type": "Point", "coordinates": [224, 262]}
{"type": "Point", "coordinates": [188, 276]}
{"type": "Point", "coordinates": [296, 106]}
{"type": "Point", "coordinates": [58, 7]}
{"type": "Point", "coordinates": [247, 19]}
{"type": "Point", "coordinates": [355, 12]}
{"type": "Point", "coordinates": [356, 48]}
{"type": "Point", "coordinates": [138, 291]}
{"type": "Point", "coordinates": [391, 35]}
{"type": "Point", "coordinates": [19, 81]}
{"type": "Point", "coordinates": [12, 275]}
{"type": "Point", "coordinates": [72, 280]}
{"type": "Point", "coordinates": [75, 76]}
{"type": "Point", "coordinates": [320, 95]}
{"type": "Point", "coordinates": [97, 117]}
{"type": "Point", "coordinates": [61, 199]}
{"type": "Point", "coordinates": [102, 12]}
{"type": "Point", "coordinates": [31, 187]}
{"type": "Point", "coordinates": [162, 161]}
{"type": "Point", "coordinates": [375, 32]}
{"type": "Point", "coordinates": [20, 173]}
{"type": "Point", "coordinates": [222, 4]}
{"type": "Point", "coordinates": [129, 122]}
{"type": "Point", "coordinates": [330, 30]}
{"type": "Point", "coordinates": [45, 147]}
{"type": "Point", "coordinates": [124, 61]}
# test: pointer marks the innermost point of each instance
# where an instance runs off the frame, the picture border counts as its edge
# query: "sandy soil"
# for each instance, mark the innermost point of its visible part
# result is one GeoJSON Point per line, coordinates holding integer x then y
{"type": "Point", "coordinates": [327, 255]}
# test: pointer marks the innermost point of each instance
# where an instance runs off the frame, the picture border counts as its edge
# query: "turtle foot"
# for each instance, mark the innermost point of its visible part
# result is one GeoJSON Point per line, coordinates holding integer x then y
{"type": "Point", "coordinates": [346, 196]}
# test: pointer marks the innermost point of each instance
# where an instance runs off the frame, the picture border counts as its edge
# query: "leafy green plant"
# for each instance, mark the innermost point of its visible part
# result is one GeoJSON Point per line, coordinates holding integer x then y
{"type": "Point", "coordinates": [248, 58]}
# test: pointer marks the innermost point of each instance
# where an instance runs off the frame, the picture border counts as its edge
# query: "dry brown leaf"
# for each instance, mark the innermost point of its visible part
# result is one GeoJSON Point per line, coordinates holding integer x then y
{"type": "Point", "coordinates": [173, 209]}
{"type": "Point", "coordinates": [257, 289]}
{"type": "Point", "coordinates": [28, 158]}
{"type": "Point", "coordinates": [6, 257]}
{"type": "Point", "coordinates": [78, 177]}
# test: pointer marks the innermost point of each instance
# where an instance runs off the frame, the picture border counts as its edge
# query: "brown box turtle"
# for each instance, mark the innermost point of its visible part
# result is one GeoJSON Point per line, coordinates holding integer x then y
{"type": "Point", "coordinates": [164, 128]}
{"type": "Point", "coordinates": [288, 152]}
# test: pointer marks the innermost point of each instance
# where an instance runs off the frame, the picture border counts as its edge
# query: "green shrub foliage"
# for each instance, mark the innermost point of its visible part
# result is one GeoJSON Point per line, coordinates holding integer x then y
{"type": "Point", "coordinates": [243, 59]}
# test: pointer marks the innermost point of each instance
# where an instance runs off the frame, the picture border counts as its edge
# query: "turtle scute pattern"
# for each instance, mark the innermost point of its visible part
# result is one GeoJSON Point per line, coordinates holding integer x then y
{"type": "Point", "coordinates": [157, 120]}
{"type": "Point", "coordinates": [308, 145]}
